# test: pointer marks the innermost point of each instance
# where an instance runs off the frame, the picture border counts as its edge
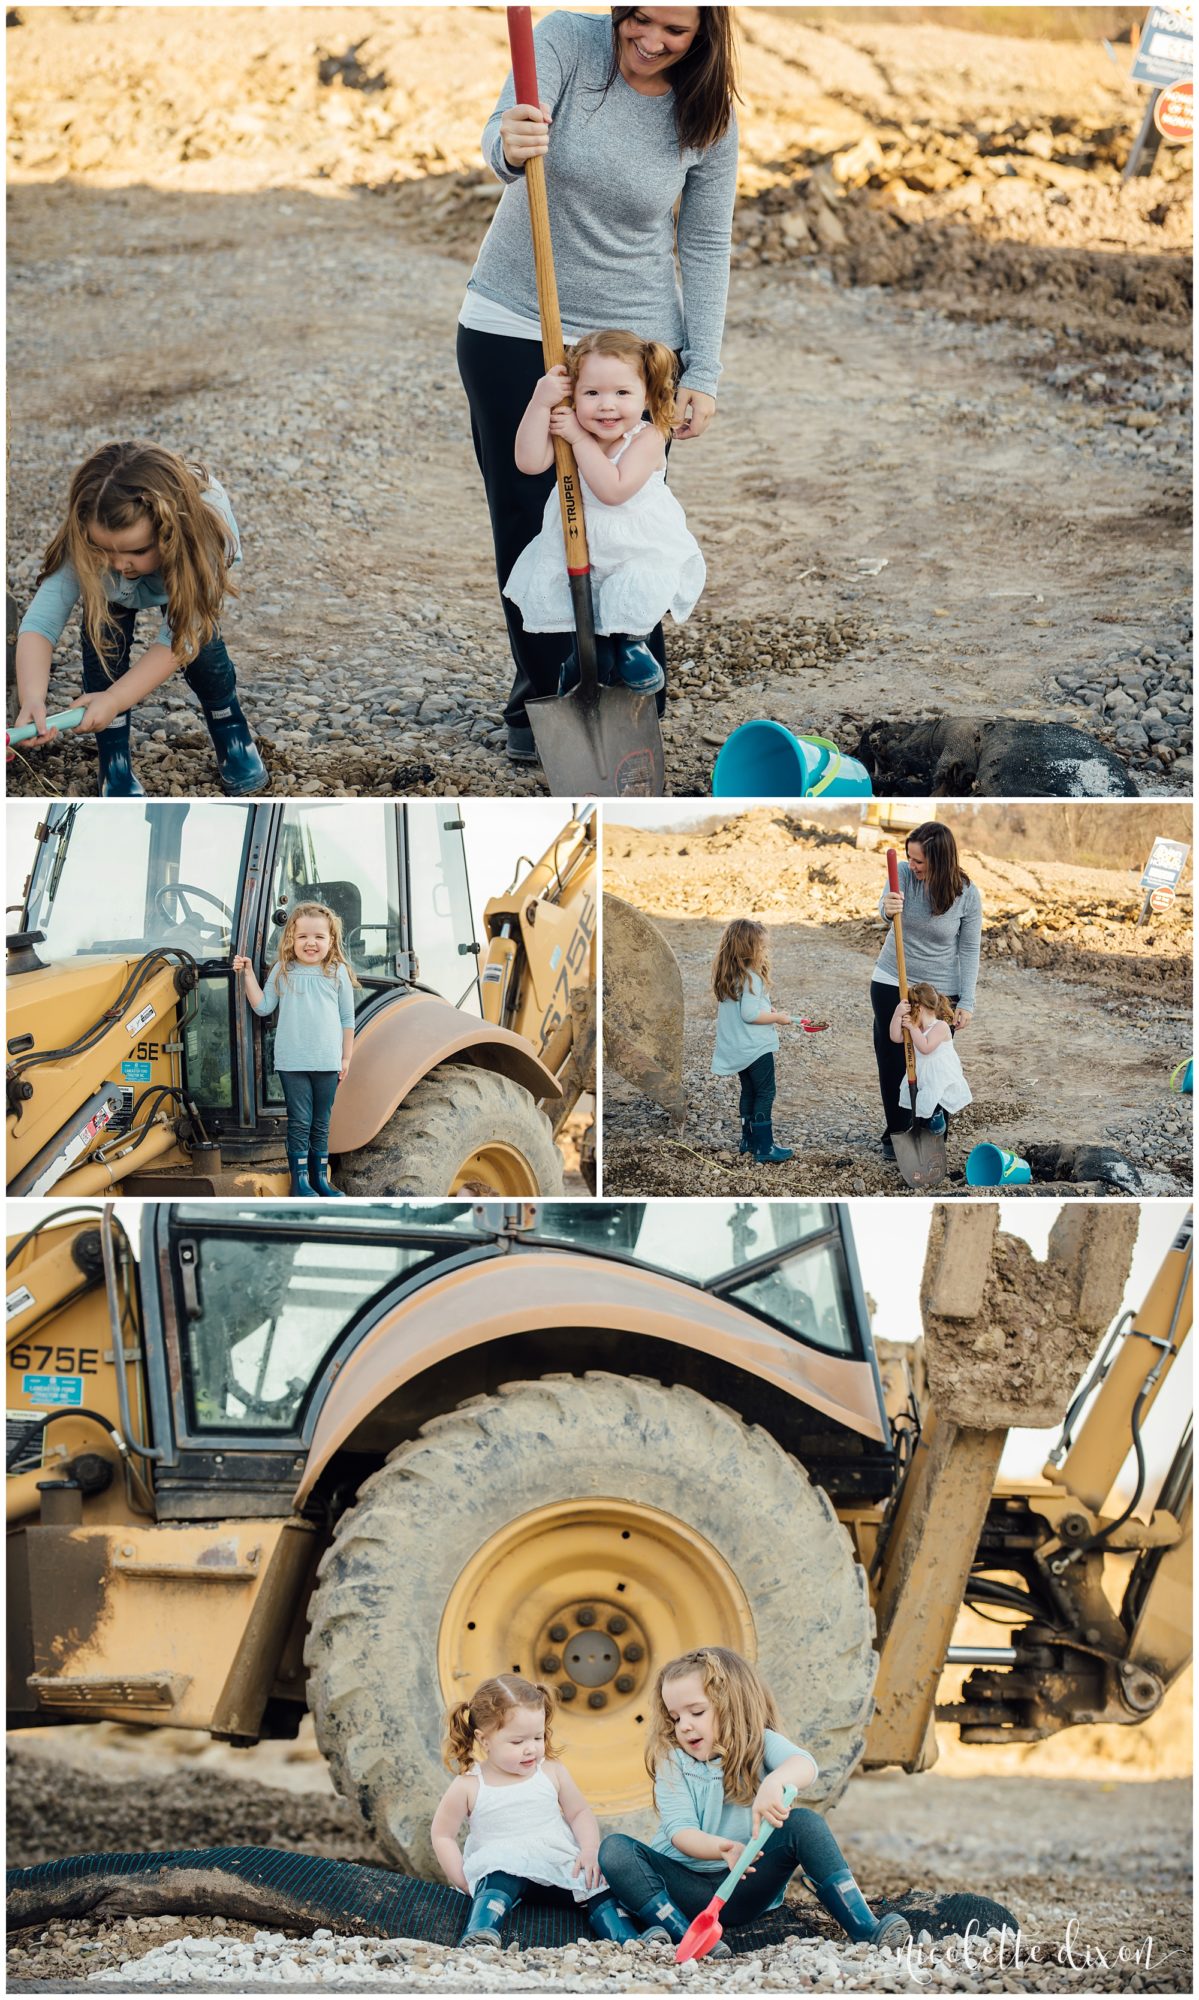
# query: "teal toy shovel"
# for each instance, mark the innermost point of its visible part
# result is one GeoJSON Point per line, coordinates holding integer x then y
{"type": "Point", "coordinates": [704, 1931]}
{"type": "Point", "coordinates": [69, 718]}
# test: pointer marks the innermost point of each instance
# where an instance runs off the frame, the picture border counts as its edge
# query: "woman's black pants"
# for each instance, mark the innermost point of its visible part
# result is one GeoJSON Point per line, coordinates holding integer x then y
{"type": "Point", "coordinates": [892, 1067]}
{"type": "Point", "coordinates": [499, 374]}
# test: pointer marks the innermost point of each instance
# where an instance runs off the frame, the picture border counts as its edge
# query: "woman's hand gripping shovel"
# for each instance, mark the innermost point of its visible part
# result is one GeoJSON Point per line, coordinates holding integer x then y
{"type": "Point", "coordinates": [595, 741]}
{"type": "Point", "coordinates": [704, 1931]}
{"type": "Point", "coordinates": [919, 1153]}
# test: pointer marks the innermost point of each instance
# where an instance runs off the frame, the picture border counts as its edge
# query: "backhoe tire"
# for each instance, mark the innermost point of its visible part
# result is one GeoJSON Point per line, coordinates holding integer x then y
{"type": "Point", "coordinates": [421, 1519]}
{"type": "Point", "coordinates": [456, 1115]}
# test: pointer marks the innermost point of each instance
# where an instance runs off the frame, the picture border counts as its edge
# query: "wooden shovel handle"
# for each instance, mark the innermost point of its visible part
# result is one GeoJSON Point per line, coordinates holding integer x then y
{"type": "Point", "coordinates": [897, 925]}
{"type": "Point", "coordinates": [524, 78]}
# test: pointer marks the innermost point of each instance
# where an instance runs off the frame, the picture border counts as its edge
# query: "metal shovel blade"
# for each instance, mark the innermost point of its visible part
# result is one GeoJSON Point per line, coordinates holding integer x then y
{"type": "Point", "coordinates": [920, 1156]}
{"type": "Point", "coordinates": [608, 748]}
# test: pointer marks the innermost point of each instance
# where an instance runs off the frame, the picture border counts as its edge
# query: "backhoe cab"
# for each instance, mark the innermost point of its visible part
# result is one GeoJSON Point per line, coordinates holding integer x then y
{"type": "Point", "coordinates": [353, 1458]}
{"type": "Point", "coordinates": [134, 1061]}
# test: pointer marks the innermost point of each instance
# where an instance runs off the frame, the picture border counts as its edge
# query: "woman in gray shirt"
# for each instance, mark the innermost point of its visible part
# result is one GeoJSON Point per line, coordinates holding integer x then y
{"type": "Point", "coordinates": [636, 120]}
{"type": "Point", "coordinates": [942, 931]}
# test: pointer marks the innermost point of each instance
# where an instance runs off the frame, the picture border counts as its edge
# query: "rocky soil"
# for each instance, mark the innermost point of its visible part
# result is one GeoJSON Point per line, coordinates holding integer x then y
{"type": "Point", "coordinates": [1081, 1015]}
{"type": "Point", "coordinates": [976, 498]}
{"type": "Point", "coordinates": [1040, 1844]}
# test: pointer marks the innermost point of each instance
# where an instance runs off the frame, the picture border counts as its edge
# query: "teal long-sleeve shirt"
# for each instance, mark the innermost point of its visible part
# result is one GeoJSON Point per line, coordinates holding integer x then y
{"type": "Point", "coordinates": [689, 1794]}
{"type": "Point", "coordinates": [314, 1008]}
{"type": "Point", "coordinates": [56, 598]}
{"type": "Point", "coordinates": [739, 1039]}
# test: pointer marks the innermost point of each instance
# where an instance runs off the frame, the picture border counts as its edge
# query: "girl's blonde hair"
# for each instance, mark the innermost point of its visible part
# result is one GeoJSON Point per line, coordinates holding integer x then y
{"type": "Point", "coordinates": [654, 363]}
{"type": "Point", "coordinates": [926, 996]}
{"type": "Point", "coordinates": [741, 950]}
{"type": "Point", "coordinates": [487, 1709]}
{"type": "Point", "coordinates": [742, 1705]}
{"type": "Point", "coordinates": [337, 951]}
{"type": "Point", "coordinates": [118, 487]}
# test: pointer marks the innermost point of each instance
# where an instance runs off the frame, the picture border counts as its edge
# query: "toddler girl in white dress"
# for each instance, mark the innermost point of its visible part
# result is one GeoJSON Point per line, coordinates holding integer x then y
{"type": "Point", "coordinates": [644, 560]}
{"type": "Point", "coordinates": [941, 1086]}
{"type": "Point", "coordinates": [529, 1825]}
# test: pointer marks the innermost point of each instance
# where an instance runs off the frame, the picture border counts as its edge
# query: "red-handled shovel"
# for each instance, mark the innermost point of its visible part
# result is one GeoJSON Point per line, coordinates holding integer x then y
{"type": "Point", "coordinates": [704, 1931]}
{"type": "Point", "coordinates": [595, 741]}
{"type": "Point", "coordinates": [919, 1153]}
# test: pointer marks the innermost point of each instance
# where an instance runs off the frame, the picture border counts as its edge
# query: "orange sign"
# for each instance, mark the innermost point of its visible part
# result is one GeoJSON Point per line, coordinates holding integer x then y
{"type": "Point", "coordinates": [1174, 112]}
{"type": "Point", "coordinates": [1161, 899]}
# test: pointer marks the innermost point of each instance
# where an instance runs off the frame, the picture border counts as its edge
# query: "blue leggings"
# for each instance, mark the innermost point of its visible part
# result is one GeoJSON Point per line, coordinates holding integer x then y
{"type": "Point", "coordinates": [638, 1874]}
{"type": "Point", "coordinates": [309, 1095]}
{"type": "Point", "coordinates": [210, 676]}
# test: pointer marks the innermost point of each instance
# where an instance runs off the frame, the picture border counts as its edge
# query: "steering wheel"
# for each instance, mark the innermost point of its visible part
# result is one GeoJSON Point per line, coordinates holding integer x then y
{"type": "Point", "coordinates": [180, 891]}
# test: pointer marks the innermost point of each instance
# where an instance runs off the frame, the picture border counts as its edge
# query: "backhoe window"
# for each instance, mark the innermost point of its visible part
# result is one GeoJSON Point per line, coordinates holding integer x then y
{"type": "Point", "coordinates": [441, 914]}
{"type": "Point", "coordinates": [124, 875]}
{"type": "Point", "coordinates": [263, 1312]}
{"type": "Point", "coordinates": [345, 855]}
{"type": "Point", "coordinates": [674, 1235]}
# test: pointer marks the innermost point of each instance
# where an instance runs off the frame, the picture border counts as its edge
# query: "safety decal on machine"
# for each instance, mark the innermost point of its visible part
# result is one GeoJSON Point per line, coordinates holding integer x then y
{"type": "Point", "coordinates": [137, 1072]}
{"type": "Point", "coordinates": [19, 1301]}
{"type": "Point", "coordinates": [53, 1388]}
{"type": "Point", "coordinates": [139, 1021]}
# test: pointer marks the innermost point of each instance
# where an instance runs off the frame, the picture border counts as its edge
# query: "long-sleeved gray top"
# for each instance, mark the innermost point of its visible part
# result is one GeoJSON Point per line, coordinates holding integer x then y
{"type": "Point", "coordinates": [943, 950]}
{"type": "Point", "coordinates": [313, 1011]}
{"type": "Point", "coordinates": [614, 172]}
{"type": "Point", "coordinates": [739, 1039]}
{"type": "Point", "coordinates": [55, 599]}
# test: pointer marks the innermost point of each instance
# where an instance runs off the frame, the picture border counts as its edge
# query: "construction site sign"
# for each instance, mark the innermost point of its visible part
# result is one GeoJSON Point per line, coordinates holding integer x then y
{"type": "Point", "coordinates": [1174, 111]}
{"type": "Point", "coordinates": [1161, 900]}
{"type": "Point", "coordinates": [1166, 51]}
{"type": "Point", "coordinates": [1165, 864]}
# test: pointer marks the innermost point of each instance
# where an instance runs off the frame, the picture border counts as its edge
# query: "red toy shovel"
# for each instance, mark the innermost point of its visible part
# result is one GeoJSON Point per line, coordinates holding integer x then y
{"type": "Point", "coordinates": [704, 1931]}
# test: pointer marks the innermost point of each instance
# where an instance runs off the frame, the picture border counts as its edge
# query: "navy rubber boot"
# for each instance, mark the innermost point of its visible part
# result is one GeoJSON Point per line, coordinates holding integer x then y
{"type": "Point", "coordinates": [937, 1122]}
{"type": "Point", "coordinates": [118, 779]}
{"type": "Point", "coordinates": [746, 1145]}
{"type": "Point", "coordinates": [300, 1183]}
{"type": "Point", "coordinates": [665, 1924]}
{"type": "Point", "coordinates": [239, 766]}
{"type": "Point", "coordinates": [318, 1175]}
{"type": "Point", "coordinates": [490, 1905]}
{"type": "Point", "coordinates": [765, 1152]}
{"type": "Point", "coordinates": [520, 747]}
{"type": "Point", "coordinates": [844, 1901]}
{"type": "Point", "coordinates": [609, 1921]}
{"type": "Point", "coordinates": [605, 664]}
{"type": "Point", "coordinates": [636, 667]}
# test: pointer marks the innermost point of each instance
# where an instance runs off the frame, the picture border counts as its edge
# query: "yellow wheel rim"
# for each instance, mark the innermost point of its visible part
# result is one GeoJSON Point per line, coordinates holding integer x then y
{"type": "Point", "coordinates": [495, 1169]}
{"type": "Point", "coordinates": [607, 1591]}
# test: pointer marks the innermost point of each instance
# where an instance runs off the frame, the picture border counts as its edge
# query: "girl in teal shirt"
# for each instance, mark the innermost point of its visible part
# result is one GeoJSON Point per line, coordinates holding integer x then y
{"type": "Point", "coordinates": [719, 1764]}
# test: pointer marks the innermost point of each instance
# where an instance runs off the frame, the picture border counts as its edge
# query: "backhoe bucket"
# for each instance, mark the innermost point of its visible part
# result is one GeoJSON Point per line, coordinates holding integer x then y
{"type": "Point", "coordinates": [643, 1006]}
{"type": "Point", "coordinates": [608, 748]}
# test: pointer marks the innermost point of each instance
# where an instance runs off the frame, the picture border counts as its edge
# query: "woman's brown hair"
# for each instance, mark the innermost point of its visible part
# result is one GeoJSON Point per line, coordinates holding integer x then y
{"type": "Point", "coordinates": [654, 363]}
{"type": "Point", "coordinates": [742, 1705]}
{"type": "Point", "coordinates": [741, 950]}
{"type": "Point", "coordinates": [704, 81]}
{"type": "Point", "coordinates": [922, 995]}
{"type": "Point", "coordinates": [116, 488]}
{"type": "Point", "coordinates": [337, 950]}
{"type": "Point", "coordinates": [946, 878]}
{"type": "Point", "coordinates": [487, 1709]}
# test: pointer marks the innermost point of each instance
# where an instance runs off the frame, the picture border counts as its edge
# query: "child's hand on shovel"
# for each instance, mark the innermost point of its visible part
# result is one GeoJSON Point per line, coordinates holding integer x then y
{"type": "Point", "coordinates": [565, 424]}
{"type": "Point", "coordinates": [553, 388]}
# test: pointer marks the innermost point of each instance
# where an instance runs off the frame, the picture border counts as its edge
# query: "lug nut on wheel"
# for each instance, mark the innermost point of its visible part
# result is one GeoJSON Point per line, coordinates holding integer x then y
{"type": "Point", "coordinates": [559, 1634]}
{"type": "Point", "coordinates": [597, 1699]}
{"type": "Point", "coordinates": [625, 1683]}
{"type": "Point", "coordinates": [550, 1663]}
{"type": "Point", "coordinates": [568, 1692]}
{"type": "Point", "coordinates": [586, 1616]}
{"type": "Point", "coordinates": [618, 1623]}
{"type": "Point", "coordinates": [633, 1653]}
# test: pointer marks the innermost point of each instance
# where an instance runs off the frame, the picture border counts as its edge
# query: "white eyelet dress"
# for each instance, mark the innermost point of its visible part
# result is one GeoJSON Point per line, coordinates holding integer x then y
{"type": "Point", "coordinates": [939, 1080]}
{"type": "Point", "coordinates": [519, 1830]}
{"type": "Point", "coordinates": [644, 561]}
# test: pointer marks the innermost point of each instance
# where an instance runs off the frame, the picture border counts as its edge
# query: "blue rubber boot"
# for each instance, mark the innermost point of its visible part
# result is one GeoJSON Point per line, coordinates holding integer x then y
{"type": "Point", "coordinates": [665, 1924]}
{"type": "Point", "coordinates": [300, 1183]}
{"type": "Point", "coordinates": [605, 664]}
{"type": "Point", "coordinates": [937, 1123]}
{"type": "Point", "coordinates": [239, 766]}
{"type": "Point", "coordinates": [844, 1901]}
{"type": "Point", "coordinates": [636, 667]}
{"type": "Point", "coordinates": [318, 1175]}
{"type": "Point", "coordinates": [746, 1145]}
{"type": "Point", "coordinates": [118, 779]}
{"type": "Point", "coordinates": [492, 1901]}
{"type": "Point", "coordinates": [765, 1152]}
{"type": "Point", "coordinates": [609, 1921]}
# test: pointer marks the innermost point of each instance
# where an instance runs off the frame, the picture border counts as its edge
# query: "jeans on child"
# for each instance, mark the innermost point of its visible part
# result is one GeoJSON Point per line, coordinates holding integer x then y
{"type": "Point", "coordinates": [309, 1095]}
{"type": "Point", "coordinates": [757, 1090]}
{"type": "Point", "coordinates": [638, 1873]}
{"type": "Point", "coordinates": [211, 676]}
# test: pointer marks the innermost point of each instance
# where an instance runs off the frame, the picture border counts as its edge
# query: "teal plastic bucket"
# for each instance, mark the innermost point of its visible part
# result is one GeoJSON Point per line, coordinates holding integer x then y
{"type": "Point", "coordinates": [990, 1166]}
{"type": "Point", "coordinates": [1187, 1072]}
{"type": "Point", "coordinates": [763, 760]}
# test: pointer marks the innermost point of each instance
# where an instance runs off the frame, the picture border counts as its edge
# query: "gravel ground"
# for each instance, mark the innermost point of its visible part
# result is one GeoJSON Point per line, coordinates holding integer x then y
{"type": "Point", "coordinates": [1042, 1846]}
{"type": "Point", "coordinates": [979, 496]}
